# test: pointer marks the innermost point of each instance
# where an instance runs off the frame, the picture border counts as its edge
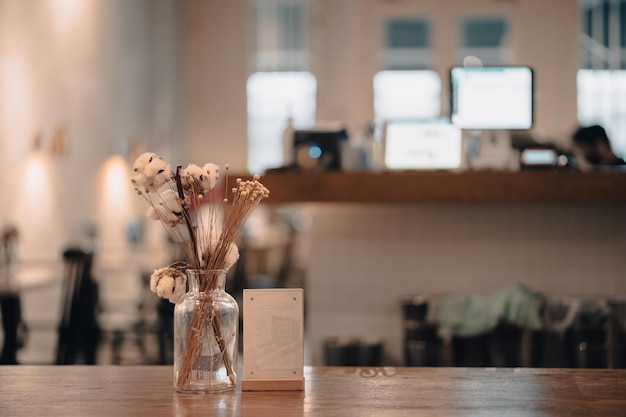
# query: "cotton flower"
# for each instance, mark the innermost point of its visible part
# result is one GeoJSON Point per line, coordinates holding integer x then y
{"type": "Point", "coordinates": [175, 200]}
{"type": "Point", "coordinates": [232, 255]}
{"type": "Point", "coordinates": [200, 180]}
{"type": "Point", "coordinates": [193, 179]}
{"type": "Point", "coordinates": [168, 283]}
{"type": "Point", "coordinates": [213, 172]}
{"type": "Point", "coordinates": [168, 209]}
{"type": "Point", "coordinates": [150, 171]}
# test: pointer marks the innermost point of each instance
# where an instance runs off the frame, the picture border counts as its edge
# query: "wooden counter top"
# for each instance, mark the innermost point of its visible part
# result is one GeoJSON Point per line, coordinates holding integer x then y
{"type": "Point", "coordinates": [480, 187]}
{"type": "Point", "coordinates": [329, 392]}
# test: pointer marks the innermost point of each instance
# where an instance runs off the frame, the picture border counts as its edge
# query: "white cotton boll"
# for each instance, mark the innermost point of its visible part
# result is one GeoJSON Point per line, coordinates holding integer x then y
{"type": "Point", "coordinates": [193, 178]}
{"type": "Point", "coordinates": [231, 257]}
{"type": "Point", "coordinates": [171, 288]}
{"type": "Point", "coordinates": [168, 283]}
{"type": "Point", "coordinates": [154, 279]}
{"type": "Point", "coordinates": [150, 170]}
{"type": "Point", "coordinates": [213, 172]}
{"type": "Point", "coordinates": [179, 289]}
{"type": "Point", "coordinates": [159, 171]}
{"type": "Point", "coordinates": [152, 214]}
{"type": "Point", "coordinates": [166, 287]}
{"type": "Point", "coordinates": [193, 170]}
{"type": "Point", "coordinates": [138, 179]}
{"type": "Point", "coordinates": [170, 200]}
{"type": "Point", "coordinates": [168, 209]}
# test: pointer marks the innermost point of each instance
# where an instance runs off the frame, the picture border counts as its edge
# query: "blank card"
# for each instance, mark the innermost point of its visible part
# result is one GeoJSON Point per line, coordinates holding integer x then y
{"type": "Point", "coordinates": [273, 339]}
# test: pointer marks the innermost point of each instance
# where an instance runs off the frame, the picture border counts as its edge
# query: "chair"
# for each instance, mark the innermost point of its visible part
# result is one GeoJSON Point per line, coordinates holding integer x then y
{"type": "Point", "coordinates": [130, 318]}
{"type": "Point", "coordinates": [13, 326]}
{"type": "Point", "coordinates": [79, 331]}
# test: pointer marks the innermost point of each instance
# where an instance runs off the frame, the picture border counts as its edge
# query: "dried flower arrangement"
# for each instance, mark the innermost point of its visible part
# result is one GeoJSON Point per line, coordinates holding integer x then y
{"type": "Point", "coordinates": [174, 198]}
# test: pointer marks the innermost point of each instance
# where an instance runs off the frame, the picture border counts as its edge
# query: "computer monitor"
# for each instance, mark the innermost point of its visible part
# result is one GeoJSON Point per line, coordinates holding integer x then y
{"type": "Point", "coordinates": [422, 145]}
{"type": "Point", "coordinates": [492, 98]}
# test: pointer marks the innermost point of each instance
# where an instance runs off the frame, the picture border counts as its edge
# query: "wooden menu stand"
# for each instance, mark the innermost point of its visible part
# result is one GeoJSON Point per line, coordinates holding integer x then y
{"type": "Point", "coordinates": [273, 342]}
{"type": "Point", "coordinates": [272, 384]}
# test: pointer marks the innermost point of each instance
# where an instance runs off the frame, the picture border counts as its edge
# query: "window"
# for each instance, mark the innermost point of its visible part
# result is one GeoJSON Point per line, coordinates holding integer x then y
{"type": "Point", "coordinates": [484, 38]}
{"type": "Point", "coordinates": [279, 41]}
{"type": "Point", "coordinates": [407, 45]}
{"type": "Point", "coordinates": [407, 88]}
{"type": "Point", "coordinates": [602, 100]}
{"type": "Point", "coordinates": [274, 97]}
{"type": "Point", "coordinates": [407, 95]}
{"type": "Point", "coordinates": [601, 81]}
{"type": "Point", "coordinates": [279, 87]}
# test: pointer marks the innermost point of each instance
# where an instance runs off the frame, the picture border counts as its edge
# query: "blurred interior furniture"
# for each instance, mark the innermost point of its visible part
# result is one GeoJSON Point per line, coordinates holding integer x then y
{"type": "Point", "coordinates": [581, 333]}
{"type": "Point", "coordinates": [422, 344]}
{"type": "Point", "coordinates": [165, 331]}
{"type": "Point", "coordinates": [78, 331]}
{"type": "Point", "coordinates": [576, 333]}
{"type": "Point", "coordinates": [136, 328]}
{"type": "Point", "coordinates": [13, 327]}
{"type": "Point", "coordinates": [267, 252]}
{"type": "Point", "coordinates": [353, 352]}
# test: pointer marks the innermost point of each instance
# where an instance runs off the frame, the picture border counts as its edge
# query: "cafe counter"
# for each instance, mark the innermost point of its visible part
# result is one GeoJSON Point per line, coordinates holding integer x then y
{"type": "Point", "coordinates": [329, 392]}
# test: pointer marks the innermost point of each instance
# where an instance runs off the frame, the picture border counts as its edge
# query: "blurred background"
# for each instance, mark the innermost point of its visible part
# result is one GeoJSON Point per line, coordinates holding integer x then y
{"type": "Point", "coordinates": [88, 85]}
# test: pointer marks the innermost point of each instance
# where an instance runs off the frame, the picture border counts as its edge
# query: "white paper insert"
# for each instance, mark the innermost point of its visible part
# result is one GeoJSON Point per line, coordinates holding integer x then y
{"type": "Point", "coordinates": [273, 335]}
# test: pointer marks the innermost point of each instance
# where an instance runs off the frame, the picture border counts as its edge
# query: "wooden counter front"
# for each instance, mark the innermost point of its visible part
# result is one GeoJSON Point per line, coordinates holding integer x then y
{"type": "Point", "coordinates": [329, 392]}
{"type": "Point", "coordinates": [447, 187]}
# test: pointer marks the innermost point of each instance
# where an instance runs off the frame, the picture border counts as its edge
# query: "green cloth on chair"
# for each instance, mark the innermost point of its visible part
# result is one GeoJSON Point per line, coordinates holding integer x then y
{"type": "Point", "coordinates": [473, 315]}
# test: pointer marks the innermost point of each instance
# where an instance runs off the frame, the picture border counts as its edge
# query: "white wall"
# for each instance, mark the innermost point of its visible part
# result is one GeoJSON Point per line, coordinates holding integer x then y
{"type": "Point", "coordinates": [215, 59]}
{"type": "Point", "coordinates": [102, 70]}
{"type": "Point", "coordinates": [105, 71]}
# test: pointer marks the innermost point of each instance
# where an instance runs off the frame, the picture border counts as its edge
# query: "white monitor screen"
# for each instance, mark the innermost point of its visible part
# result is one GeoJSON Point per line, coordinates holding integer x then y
{"type": "Point", "coordinates": [492, 97]}
{"type": "Point", "coordinates": [418, 145]}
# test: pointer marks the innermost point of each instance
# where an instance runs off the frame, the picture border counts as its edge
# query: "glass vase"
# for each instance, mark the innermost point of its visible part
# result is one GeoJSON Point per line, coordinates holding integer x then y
{"type": "Point", "coordinates": [206, 322]}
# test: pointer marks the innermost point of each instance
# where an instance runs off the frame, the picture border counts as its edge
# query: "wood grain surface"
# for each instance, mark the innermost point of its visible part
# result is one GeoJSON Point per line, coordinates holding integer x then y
{"type": "Point", "coordinates": [329, 392]}
{"type": "Point", "coordinates": [447, 187]}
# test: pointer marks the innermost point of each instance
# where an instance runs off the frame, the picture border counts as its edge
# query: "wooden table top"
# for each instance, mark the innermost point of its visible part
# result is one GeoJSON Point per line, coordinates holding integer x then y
{"type": "Point", "coordinates": [329, 391]}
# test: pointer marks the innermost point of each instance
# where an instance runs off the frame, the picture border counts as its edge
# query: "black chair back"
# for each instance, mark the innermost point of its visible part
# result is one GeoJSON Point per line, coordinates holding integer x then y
{"type": "Point", "coordinates": [79, 331]}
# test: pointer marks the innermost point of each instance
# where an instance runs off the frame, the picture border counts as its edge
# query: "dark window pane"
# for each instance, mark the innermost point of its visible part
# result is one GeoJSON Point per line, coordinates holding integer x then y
{"type": "Point", "coordinates": [622, 24]}
{"type": "Point", "coordinates": [407, 34]}
{"type": "Point", "coordinates": [291, 18]}
{"type": "Point", "coordinates": [483, 33]}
